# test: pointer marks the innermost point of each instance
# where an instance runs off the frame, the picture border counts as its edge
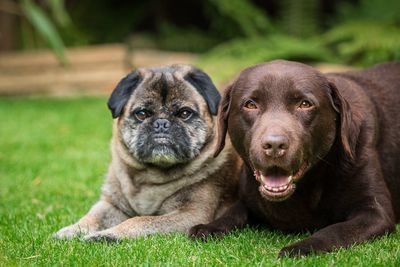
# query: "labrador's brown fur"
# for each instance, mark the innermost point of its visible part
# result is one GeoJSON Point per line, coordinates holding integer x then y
{"type": "Point", "coordinates": [337, 136]}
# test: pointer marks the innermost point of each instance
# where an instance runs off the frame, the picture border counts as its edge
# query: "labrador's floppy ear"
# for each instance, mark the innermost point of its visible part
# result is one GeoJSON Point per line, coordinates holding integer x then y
{"type": "Point", "coordinates": [124, 89]}
{"type": "Point", "coordinates": [349, 130]}
{"type": "Point", "coordinates": [222, 119]}
{"type": "Point", "coordinates": [203, 84]}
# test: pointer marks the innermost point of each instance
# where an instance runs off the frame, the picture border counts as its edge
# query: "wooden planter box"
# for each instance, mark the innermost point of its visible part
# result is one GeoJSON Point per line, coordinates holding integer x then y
{"type": "Point", "coordinates": [93, 70]}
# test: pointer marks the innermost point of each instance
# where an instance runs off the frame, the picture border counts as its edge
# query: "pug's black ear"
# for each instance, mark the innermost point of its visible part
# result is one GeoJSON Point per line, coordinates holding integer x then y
{"type": "Point", "coordinates": [122, 92]}
{"type": "Point", "coordinates": [203, 84]}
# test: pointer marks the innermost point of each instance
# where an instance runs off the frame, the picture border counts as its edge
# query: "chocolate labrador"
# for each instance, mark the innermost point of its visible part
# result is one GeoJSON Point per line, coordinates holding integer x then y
{"type": "Point", "coordinates": [321, 153]}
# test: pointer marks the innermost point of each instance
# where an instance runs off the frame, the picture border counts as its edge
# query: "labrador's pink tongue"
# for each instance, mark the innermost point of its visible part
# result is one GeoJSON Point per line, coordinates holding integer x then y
{"type": "Point", "coordinates": [275, 181]}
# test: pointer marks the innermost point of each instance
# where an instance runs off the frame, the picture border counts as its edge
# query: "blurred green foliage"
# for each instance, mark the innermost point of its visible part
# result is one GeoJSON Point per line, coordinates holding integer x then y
{"type": "Point", "coordinates": [361, 34]}
{"type": "Point", "coordinates": [239, 17]}
{"type": "Point", "coordinates": [376, 10]}
{"type": "Point", "coordinates": [300, 18]}
{"type": "Point", "coordinates": [242, 32]}
{"type": "Point", "coordinates": [43, 25]}
{"type": "Point", "coordinates": [228, 58]}
{"type": "Point", "coordinates": [366, 33]}
{"type": "Point", "coordinates": [47, 23]}
{"type": "Point", "coordinates": [364, 42]}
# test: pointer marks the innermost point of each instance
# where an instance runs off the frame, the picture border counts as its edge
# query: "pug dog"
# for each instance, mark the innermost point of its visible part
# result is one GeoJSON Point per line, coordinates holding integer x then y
{"type": "Point", "coordinates": [162, 177]}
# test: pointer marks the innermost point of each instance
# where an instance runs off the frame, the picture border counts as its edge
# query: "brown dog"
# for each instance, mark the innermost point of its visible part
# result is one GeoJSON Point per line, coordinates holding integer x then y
{"type": "Point", "coordinates": [321, 152]}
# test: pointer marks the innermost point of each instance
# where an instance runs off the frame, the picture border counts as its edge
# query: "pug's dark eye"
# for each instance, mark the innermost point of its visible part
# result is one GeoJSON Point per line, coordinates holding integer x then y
{"type": "Point", "coordinates": [141, 115]}
{"type": "Point", "coordinates": [185, 114]}
{"type": "Point", "coordinates": [250, 104]}
{"type": "Point", "coordinates": [305, 104]}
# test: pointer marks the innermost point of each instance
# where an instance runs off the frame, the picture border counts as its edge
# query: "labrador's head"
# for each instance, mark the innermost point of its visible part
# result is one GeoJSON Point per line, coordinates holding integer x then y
{"type": "Point", "coordinates": [283, 118]}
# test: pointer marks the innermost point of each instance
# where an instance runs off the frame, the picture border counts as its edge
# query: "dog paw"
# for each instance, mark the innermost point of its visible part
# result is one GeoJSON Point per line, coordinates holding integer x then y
{"type": "Point", "coordinates": [204, 231]}
{"type": "Point", "coordinates": [303, 248]}
{"type": "Point", "coordinates": [70, 232]}
{"type": "Point", "coordinates": [102, 236]}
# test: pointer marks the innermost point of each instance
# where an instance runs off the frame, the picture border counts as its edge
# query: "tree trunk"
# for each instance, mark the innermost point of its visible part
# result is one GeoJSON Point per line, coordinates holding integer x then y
{"type": "Point", "coordinates": [8, 27]}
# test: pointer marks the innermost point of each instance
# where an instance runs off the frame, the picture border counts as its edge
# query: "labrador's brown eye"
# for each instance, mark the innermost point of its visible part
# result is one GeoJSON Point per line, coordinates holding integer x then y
{"type": "Point", "coordinates": [250, 104]}
{"type": "Point", "coordinates": [141, 115]}
{"type": "Point", "coordinates": [305, 104]}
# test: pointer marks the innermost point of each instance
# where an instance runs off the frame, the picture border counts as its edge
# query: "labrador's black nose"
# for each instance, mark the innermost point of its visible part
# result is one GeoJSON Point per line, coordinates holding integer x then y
{"type": "Point", "coordinates": [275, 145]}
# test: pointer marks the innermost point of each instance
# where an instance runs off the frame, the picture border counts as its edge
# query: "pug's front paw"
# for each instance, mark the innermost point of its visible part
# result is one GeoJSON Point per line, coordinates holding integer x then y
{"type": "Point", "coordinates": [71, 231]}
{"type": "Point", "coordinates": [102, 236]}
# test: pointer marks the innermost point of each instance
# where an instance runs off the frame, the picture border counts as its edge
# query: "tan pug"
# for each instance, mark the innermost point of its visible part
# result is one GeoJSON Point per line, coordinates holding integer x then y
{"type": "Point", "coordinates": [162, 177]}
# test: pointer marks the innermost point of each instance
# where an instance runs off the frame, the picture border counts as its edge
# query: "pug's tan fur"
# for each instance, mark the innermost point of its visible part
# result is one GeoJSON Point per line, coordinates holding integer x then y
{"type": "Point", "coordinates": [140, 199]}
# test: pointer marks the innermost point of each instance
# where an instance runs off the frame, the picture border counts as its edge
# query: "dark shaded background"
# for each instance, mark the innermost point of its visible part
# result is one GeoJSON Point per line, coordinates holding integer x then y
{"type": "Point", "coordinates": [199, 26]}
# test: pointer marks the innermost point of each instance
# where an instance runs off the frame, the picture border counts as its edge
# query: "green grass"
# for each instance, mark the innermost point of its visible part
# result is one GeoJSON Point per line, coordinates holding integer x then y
{"type": "Point", "coordinates": [53, 156]}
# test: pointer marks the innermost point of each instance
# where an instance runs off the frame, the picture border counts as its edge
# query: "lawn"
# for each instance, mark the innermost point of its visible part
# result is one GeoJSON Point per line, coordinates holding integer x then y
{"type": "Point", "coordinates": [53, 156]}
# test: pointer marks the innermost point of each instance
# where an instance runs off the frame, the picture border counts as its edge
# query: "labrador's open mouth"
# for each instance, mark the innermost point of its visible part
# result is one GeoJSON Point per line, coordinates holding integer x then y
{"type": "Point", "coordinates": [278, 184]}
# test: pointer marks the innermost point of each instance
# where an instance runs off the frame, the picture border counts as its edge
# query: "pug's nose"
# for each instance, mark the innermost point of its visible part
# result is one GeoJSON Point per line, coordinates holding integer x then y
{"type": "Point", "coordinates": [161, 125]}
{"type": "Point", "coordinates": [275, 145]}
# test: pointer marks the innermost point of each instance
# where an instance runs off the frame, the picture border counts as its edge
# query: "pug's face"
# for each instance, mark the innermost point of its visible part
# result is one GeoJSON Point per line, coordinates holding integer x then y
{"type": "Point", "coordinates": [165, 114]}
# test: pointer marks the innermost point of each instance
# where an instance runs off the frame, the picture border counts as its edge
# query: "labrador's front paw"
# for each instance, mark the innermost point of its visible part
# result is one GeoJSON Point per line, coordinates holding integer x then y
{"type": "Point", "coordinates": [204, 231]}
{"type": "Point", "coordinates": [304, 247]}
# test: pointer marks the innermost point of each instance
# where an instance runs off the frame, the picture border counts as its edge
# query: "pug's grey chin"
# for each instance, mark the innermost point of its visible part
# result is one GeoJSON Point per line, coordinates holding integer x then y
{"type": "Point", "coordinates": [163, 157]}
